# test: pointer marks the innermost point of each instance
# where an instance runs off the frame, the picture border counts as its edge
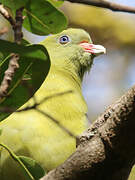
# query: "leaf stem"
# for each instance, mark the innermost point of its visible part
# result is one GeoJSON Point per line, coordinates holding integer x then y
{"type": "Point", "coordinates": [16, 158]}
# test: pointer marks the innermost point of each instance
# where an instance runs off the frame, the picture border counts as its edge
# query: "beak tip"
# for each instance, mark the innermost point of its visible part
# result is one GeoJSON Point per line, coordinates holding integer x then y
{"type": "Point", "coordinates": [104, 51]}
{"type": "Point", "coordinates": [93, 49]}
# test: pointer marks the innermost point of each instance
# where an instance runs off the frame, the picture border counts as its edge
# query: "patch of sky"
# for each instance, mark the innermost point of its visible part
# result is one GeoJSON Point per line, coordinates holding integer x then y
{"type": "Point", "coordinates": [125, 2]}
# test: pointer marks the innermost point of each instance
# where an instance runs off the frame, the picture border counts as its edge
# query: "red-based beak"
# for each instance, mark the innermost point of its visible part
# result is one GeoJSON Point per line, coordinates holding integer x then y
{"type": "Point", "coordinates": [92, 48]}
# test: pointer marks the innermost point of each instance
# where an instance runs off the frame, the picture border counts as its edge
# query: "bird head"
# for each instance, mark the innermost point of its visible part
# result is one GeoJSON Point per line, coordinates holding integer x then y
{"type": "Point", "coordinates": [72, 50]}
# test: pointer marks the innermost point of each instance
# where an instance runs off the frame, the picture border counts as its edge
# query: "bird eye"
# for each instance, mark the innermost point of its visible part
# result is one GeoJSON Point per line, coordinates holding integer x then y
{"type": "Point", "coordinates": [64, 39]}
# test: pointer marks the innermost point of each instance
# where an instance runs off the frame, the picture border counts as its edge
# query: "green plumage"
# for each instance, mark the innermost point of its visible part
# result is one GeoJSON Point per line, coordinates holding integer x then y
{"type": "Point", "coordinates": [33, 134]}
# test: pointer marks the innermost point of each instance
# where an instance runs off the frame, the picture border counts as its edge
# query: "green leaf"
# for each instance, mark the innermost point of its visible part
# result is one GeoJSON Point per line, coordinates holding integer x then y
{"type": "Point", "coordinates": [56, 3]}
{"type": "Point", "coordinates": [34, 64]}
{"type": "Point", "coordinates": [33, 167]}
{"type": "Point", "coordinates": [14, 4]}
{"type": "Point", "coordinates": [16, 158]}
{"type": "Point", "coordinates": [43, 18]}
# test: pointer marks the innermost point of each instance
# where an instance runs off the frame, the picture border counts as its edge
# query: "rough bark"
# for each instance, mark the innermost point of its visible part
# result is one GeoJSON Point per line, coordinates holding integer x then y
{"type": "Point", "coordinates": [107, 150]}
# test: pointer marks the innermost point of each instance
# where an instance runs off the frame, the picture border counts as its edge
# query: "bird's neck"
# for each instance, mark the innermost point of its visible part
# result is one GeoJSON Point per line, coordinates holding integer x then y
{"type": "Point", "coordinates": [67, 73]}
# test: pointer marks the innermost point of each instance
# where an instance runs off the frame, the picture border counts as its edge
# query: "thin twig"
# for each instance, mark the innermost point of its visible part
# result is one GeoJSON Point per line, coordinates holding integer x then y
{"type": "Point", "coordinates": [10, 110]}
{"type": "Point", "coordinates": [13, 63]}
{"type": "Point", "coordinates": [57, 122]}
{"type": "Point", "coordinates": [9, 73]}
{"type": "Point", "coordinates": [18, 26]}
{"type": "Point", "coordinates": [106, 4]}
{"type": "Point", "coordinates": [44, 113]}
{"type": "Point", "coordinates": [42, 101]}
{"type": "Point", "coordinates": [55, 95]}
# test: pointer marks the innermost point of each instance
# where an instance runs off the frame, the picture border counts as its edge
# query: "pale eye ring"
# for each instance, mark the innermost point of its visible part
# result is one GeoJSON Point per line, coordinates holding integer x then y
{"type": "Point", "coordinates": [64, 39]}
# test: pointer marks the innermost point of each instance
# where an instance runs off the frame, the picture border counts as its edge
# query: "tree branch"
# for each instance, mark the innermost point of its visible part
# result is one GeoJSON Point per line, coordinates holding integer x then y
{"type": "Point", "coordinates": [107, 150]}
{"type": "Point", "coordinates": [106, 4]}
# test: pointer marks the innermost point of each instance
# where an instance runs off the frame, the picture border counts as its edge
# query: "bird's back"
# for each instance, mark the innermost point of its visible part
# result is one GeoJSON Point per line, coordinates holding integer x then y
{"type": "Point", "coordinates": [35, 135]}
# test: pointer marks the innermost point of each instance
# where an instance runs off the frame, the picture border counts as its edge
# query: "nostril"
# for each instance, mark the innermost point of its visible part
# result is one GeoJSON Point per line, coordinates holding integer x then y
{"type": "Point", "coordinates": [85, 41]}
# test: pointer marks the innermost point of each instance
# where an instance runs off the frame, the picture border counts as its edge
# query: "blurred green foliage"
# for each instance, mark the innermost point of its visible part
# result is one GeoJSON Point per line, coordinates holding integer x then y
{"type": "Point", "coordinates": [113, 29]}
